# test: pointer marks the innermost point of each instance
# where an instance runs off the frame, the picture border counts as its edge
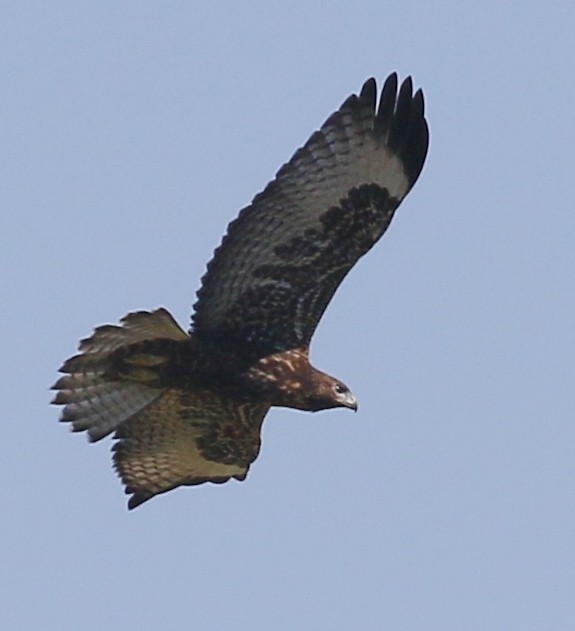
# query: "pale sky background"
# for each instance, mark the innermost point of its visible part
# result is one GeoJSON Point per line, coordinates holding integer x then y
{"type": "Point", "coordinates": [131, 134]}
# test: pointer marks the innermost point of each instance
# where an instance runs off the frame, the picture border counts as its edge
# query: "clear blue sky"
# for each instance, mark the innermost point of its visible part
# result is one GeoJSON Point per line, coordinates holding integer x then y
{"type": "Point", "coordinates": [131, 134]}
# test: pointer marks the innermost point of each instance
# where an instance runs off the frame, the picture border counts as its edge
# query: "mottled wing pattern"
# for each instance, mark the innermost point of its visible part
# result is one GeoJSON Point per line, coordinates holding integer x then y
{"type": "Point", "coordinates": [282, 259]}
{"type": "Point", "coordinates": [187, 438]}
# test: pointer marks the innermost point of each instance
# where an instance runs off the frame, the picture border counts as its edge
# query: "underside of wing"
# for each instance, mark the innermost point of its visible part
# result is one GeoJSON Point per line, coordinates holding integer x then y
{"type": "Point", "coordinates": [186, 438]}
{"type": "Point", "coordinates": [282, 259]}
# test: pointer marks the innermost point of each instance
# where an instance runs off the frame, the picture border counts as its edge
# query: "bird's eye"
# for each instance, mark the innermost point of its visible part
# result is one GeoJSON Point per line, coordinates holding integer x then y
{"type": "Point", "coordinates": [339, 389]}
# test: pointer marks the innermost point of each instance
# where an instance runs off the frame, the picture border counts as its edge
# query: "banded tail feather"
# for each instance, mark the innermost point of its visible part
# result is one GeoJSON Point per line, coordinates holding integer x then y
{"type": "Point", "coordinates": [95, 398]}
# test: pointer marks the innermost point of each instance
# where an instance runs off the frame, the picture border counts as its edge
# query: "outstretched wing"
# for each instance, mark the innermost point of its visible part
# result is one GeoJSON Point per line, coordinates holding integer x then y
{"type": "Point", "coordinates": [282, 259]}
{"type": "Point", "coordinates": [187, 438]}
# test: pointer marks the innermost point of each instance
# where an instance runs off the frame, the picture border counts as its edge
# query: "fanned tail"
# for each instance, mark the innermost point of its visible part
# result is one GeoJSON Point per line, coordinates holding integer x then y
{"type": "Point", "coordinates": [95, 397]}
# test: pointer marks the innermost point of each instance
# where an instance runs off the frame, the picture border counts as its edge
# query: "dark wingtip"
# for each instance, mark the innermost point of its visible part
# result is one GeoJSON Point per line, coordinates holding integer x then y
{"type": "Point", "coordinates": [386, 107]}
{"type": "Point", "coordinates": [368, 93]}
{"type": "Point", "coordinates": [406, 87]}
{"type": "Point", "coordinates": [401, 120]}
{"type": "Point", "coordinates": [138, 498]}
{"type": "Point", "coordinates": [418, 103]}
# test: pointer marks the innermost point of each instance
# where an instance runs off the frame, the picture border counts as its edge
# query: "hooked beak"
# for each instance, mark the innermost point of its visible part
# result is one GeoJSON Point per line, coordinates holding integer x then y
{"type": "Point", "coordinates": [350, 402]}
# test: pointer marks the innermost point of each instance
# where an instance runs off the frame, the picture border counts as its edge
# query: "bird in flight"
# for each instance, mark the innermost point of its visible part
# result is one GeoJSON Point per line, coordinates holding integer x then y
{"type": "Point", "coordinates": [187, 407]}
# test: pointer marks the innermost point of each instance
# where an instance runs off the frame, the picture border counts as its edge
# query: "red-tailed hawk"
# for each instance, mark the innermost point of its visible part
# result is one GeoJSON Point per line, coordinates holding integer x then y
{"type": "Point", "coordinates": [187, 408]}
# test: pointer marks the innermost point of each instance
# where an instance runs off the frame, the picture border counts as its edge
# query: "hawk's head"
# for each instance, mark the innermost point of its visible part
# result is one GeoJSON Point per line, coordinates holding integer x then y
{"type": "Point", "coordinates": [287, 379]}
{"type": "Point", "coordinates": [329, 392]}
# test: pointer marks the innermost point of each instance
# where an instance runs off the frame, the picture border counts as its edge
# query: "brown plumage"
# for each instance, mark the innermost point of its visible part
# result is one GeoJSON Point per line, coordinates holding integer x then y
{"type": "Point", "coordinates": [187, 408]}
